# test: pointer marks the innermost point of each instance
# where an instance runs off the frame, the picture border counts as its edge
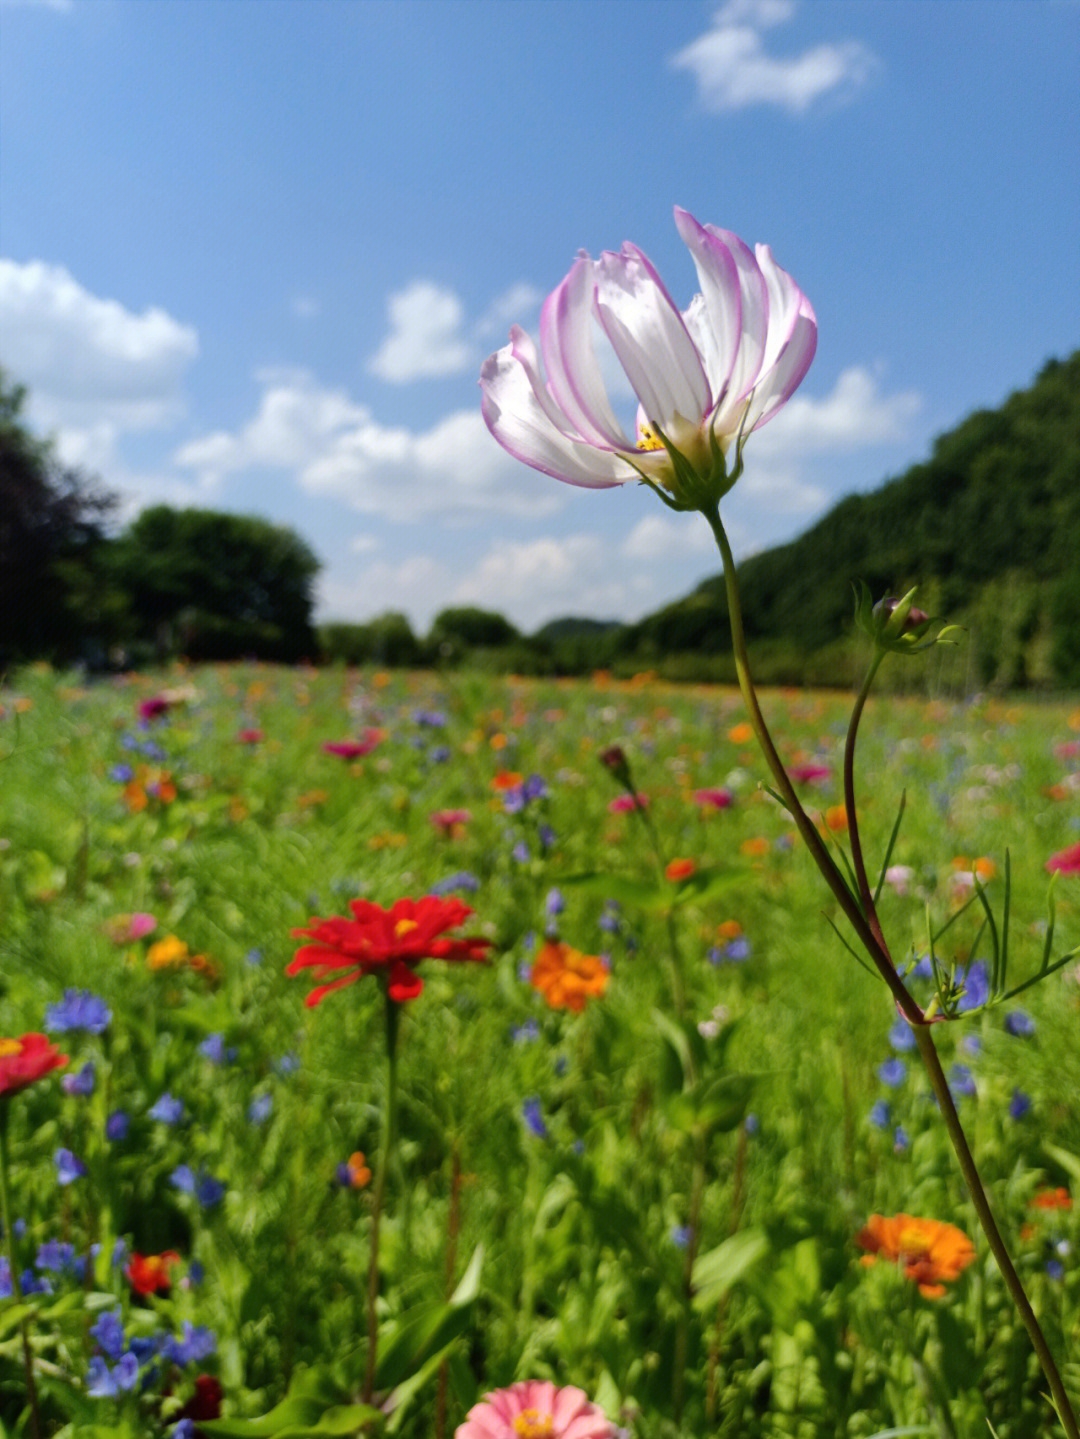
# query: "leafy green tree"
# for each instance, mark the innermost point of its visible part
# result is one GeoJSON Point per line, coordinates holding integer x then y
{"type": "Point", "coordinates": [54, 602]}
{"type": "Point", "coordinates": [217, 586]}
{"type": "Point", "coordinates": [455, 632]}
{"type": "Point", "coordinates": [388, 639]}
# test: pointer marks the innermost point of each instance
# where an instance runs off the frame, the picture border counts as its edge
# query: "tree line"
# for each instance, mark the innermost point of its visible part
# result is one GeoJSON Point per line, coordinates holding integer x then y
{"type": "Point", "coordinates": [988, 527]}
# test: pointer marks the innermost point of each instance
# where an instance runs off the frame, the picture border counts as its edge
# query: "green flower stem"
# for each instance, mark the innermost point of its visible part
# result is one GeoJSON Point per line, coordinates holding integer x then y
{"type": "Point", "coordinates": [682, 1334]}
{"type": "Point", "coordinates": [928, 1050]}
{"type": "Point", "coordinates": [389, 1136]}
{"type": "Point", "coordinates": [16, 1287]}
{"type": "Point", "coordinates": [879, 953]}
{"type": "Point", "coordinates": [866, 894]}
{"type": "Point", "coordinates": [805, 825]}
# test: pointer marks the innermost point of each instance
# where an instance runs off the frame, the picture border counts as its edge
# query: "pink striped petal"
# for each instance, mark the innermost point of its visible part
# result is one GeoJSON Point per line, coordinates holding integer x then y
{"type": "Point", "coordinates": [785, 377]}
{"type": "Point", "coordinates": [566, 342]}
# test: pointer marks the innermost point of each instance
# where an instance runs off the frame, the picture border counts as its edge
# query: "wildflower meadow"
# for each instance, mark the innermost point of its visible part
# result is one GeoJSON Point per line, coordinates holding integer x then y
{"type": "Point", "coordinates": [634, 1137]}
{"type": "Point", "coordinates": [437, 1054]}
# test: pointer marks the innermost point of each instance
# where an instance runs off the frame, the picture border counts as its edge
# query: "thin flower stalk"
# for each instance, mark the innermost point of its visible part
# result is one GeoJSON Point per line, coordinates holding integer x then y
{"type": "Point", "coordinates": [16, 1287]}
{"type": "Point", "coordinates": [389, 1137]}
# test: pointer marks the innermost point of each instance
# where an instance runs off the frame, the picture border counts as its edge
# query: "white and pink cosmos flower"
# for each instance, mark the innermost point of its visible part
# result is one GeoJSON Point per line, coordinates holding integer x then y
{"type": "Point", "coordinates": [704, 377]}
{"type": "Point", "coordinates": [536, 1409]}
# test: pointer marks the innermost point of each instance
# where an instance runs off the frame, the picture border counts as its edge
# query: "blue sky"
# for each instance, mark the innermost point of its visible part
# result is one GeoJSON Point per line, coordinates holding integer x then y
{"type": "Point", "coordinates": [253, 252]}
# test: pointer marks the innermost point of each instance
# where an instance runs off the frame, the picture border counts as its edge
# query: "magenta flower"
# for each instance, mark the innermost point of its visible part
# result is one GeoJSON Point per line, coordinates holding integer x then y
{"type": "Point", "coordinates": [535, 1409]}
{"type": "Point", "coordinates": [714, 798]}
{"type": "Point", "coordinates": [704, 376]}
{"type": "Point", "coordinates": [1066, 861]}
{"type": "Point", "coordinates": [354, 748]}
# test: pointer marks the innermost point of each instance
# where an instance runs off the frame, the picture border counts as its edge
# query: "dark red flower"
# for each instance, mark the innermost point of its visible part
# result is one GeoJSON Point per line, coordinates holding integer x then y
{"type": "Point", "coordinates": [205, 1403]}
{"type": "Point", "coordinates": [27, 1058]}
{"type": "Point", "coordinates": [389, 942]}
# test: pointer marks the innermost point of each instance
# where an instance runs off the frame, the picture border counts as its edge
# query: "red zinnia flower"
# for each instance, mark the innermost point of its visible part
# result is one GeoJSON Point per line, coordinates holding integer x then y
{"type": "Point", "coordinates": [148, 1273]}
{"type": "Point", "coordinates": [26, 1059]}
{"type": "Point", "coordinates": [930, 1252]}
{"type": "Point", "coordinates": [378, 940]}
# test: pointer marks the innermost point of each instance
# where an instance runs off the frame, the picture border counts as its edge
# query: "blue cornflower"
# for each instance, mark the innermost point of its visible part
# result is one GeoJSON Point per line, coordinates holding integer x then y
{"type": "Point", "coordinates": [523, 1033]}
{"type": "Point", "coordinates": [183, 1178]}
{"type": "Point", "coordinates": [546, 835]}
{"type": "Point", "coordinates": [433, 719]}
{"type": "Point", "coordinates": [108, 1333]}
{"type": "Point", "coordinates": [121, 774]}
{"type": "Point", "coordinates": [881, 1114]}
{"type": "Point", "coordinates": [554, 904]}
{"type": "Point", "coordinates": [55, 1256]}
{"type": "Point", "coordinates": [534, 1119]}
{"type": "Point", "coordinates": [117, 1126]}
{"type": "Point", "coordinates": [79, 1009]}
{"type": "Point", "coordinates": [514, 800]}
{"type": "Point", "coordinates": [680, 1235]}
{"type": "Point", "coordinates": [440, 754]}
{"type": "Point", "coordinates": [971, 1044]}
{"type": "Point", "coordinates": [534, 787]}
{"type": "Point", "coordinates": [68, 1168]}
{"type": "Point", "coordinates": [751, 1124]}
{"type": "Point", "coordinates": [185, 1429]}
{"type": "Point", "coordinates": [736, 950]}
{"type": "Point", "coordinates": [81, 1082]}
{"type": "Point", "coordinates": [924, 968]}
{"type": "Point", "coordinates": [167, 1109]}
{"type": "Point", "coordinates": [902, 1036]}
{"type": "Point", "coordinates": [610, 920]}
{"type": "Point", "coordinates": [1055, 1269]}
{"type": "Point", "coordinates": [213, 1048]}
{"type": "Point", "coordinates": [520, 852]}
{"type": "Point", "coordinates": [976, 983]}
{"type": "Point", "coordinates": [209, 1191]}
{"type": "Point", "coordinates": [893, 1072]}
{"type": "Point", "coordinates": [1019, 1024]}
{"type": "Point", "coordinates": [260, 1109]}
{"type": "Point", "coordinates": [1019, 1104]}
{"type": "Point", "coordinates": [105, 1383]}
{"type": "Point", "coordinates": [195, 1345]}
{"type": "Point", "coordinates": [5, 1277]}
{"type": "Point", "coordinates": [253, 957]}
{"type": "Point", "coordinates": [463, 880]}
{"type": "Point", "coordinates": [900, 1139]}
{"type": "Point", "coordinates": [961, 1080]}
{"type": "Point", "coordinates": [119, 1254]}
{"type": "Point", "coordinates": [287, 1064]}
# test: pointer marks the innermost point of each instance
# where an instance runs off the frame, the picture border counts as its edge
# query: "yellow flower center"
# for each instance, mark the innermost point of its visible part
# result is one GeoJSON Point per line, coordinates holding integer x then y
{"type": "Point", "coordinates": [404, 927]}
{"type": "Point", "coordinates": [531, 1424]}
{"type": "Point", "coordinates": [648, 439]}
{"type": "Point", "coordinates": [9, 1047]}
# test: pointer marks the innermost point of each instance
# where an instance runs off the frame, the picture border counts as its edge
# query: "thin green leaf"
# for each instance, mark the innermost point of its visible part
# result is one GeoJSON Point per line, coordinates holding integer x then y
{"type": "Point", "coordinates": [854, 952]}
{"type": "Point", "coordinates": [889, 847]}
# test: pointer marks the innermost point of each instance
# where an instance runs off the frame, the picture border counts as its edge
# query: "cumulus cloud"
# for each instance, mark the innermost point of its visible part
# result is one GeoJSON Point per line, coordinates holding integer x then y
{"type": "Point", "coordinates": [87, 360]}
{"type": "Point", "coordinates": [334, 446]}
{"type": "Point", "coordinates": [425, 336]}
{"type": "Point", "coordinates": [514, 306]}
{"type": "Point", "coordinates": [854, 415]}
{"type": "Point", "coordinates": [657, 537]}
{"type": "Point", "coordinates": [734, 69]}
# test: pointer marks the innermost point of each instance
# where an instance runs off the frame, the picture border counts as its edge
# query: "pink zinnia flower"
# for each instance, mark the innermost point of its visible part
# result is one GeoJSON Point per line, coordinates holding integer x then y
{"type": "Point", "coordinates": [249, 736]}
{"type": "Point", "coordinates": [624, 803]}
{"type": "Point", "coordinates": [714, 798]}
{"type": "Point", "coordinates": [705, 377]}
{"type": "Point", "coordinates": [1067, 861]}
{"type": "Point", "coordinates": [810, 773]}
{"type": "Point", "coordinates": [535, 1409]}
{"type": "Point", "coordinates": [127, 928]}
{"type": "Point", "coordinates": [355, 748]}
{"type": "Point", "coordinates": [450, 821]}
{"type": "Point", "coordinates": [153, 707]}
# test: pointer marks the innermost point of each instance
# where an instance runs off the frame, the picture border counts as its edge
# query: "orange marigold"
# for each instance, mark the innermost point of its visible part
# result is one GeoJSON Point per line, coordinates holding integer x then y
{"type": "Point", "coordinates": [566, 977]}
{"type": "Point", "coordinates": [741, 733]}
{"type": "Point", "coordinates": [678, 869]}
{"type": "Point", "coordinates": [929, 1251]}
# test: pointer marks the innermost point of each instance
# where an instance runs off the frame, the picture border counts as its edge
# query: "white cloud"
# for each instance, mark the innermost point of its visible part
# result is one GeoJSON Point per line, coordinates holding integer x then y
{"type": "Point", "coordinates": [514, 306]}
{"type": "Point", "coordinates": [87, 360]}
{"type": "Point", "coordinates": [363, 544]}
{"type": "Point", "coordinates": [657, 537]}
{"type": "Point", "coordinates": [62, 7]}
{"type": "Point", "coordinates": [334, 446]}
{"type": "Point", "coordinates": [854, 415]}
{"type": "Point", "coordinates": [425, 335]}
{"type": "Point", "coordinates": [305, 307]}
{"type": "Point", "coordinates": [734, 70]}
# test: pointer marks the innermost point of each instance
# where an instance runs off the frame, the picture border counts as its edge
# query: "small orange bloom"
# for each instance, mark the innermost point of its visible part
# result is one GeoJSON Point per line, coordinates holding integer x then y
{"type": "Point", "coordinates": [566, 977]}
{"type": "Point", "coordinates": [741, 733]}
{"type": "Point", "coordinates": [167, 953]}
{"type": "Point", "coordinates": [149, 1273]}
{"type": "Point", "coordinates": [507, 779]}
{"type": "Point", "coordinates": [728, 929]}
{"type": "Point", "coordinates": [836, 818]}
{"type": "Point", "coordinates": [355, 1171]}
{"type": "Point", "coordinates": [756, 846]}
{"type": "Point", "coordinates": [1051, 1199]}
{"type": "Point", "coordinates": [679, 869]}
{"type": "Point", "coordinates": [929, 1251]}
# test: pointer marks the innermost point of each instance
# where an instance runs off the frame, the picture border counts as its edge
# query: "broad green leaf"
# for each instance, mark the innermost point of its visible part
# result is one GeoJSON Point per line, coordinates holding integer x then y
{"type": "Point", "coordinates": [718, 1271]}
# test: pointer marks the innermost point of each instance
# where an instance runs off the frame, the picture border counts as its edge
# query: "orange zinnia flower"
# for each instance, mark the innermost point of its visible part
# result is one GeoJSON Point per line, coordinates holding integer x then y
{"type": "Point", "coordinates": [1051, 1199]}
{"type": "Point", "coordinates": [929, 1250]}
{"type": "Point", "coordinates": [679, 869]}
{"type": "Point", "coordinates": [566, 977]}
{"type": "Point", "coordinates": [741, 733]}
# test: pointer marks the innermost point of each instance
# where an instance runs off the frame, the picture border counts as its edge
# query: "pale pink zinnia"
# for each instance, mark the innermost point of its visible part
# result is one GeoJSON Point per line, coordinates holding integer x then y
{"type": "Point", "coordinates": [704, 377]}
{"type": "Point", "coordinates": [536, 1409]}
